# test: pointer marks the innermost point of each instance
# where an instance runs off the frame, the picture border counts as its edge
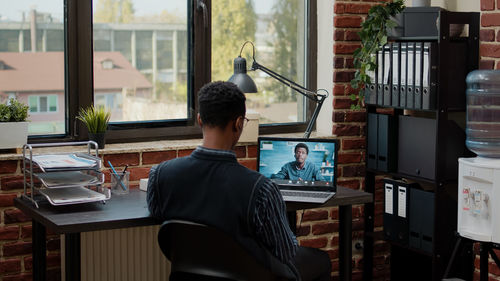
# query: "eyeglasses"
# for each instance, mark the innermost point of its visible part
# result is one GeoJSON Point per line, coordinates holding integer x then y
{"type": "Point", "coordinates": [245, 121]}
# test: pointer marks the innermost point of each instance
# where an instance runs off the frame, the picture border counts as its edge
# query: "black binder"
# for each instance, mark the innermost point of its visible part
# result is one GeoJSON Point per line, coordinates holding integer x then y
{"type": "Point", "coordinates": [402, 75]}
{"type": "Point", "coordinates": [421, 220]}
{"type": "Point", "coordinates": [429, 86]}
{"type": "Point", "coordinates": [387, 75]}
{"type": "Point", "coordinates": [396, 210]}
{"type": "Point", "coordinates": [371, 88]}
{"type": "Point", "coordinates": [387, 143]}
{"type": "Point", "coordinates": [390, 210]}
{"type": "Point", "coordinates": [418, 76]}
{"type": "Point", "coordinates": [410, 74]}
{"type": "Point", "coordinates": [395, 74]}
{"type": "Point", "coordinates": [372, 139]}
{"type": "Point", "coordinates": [380, 76]}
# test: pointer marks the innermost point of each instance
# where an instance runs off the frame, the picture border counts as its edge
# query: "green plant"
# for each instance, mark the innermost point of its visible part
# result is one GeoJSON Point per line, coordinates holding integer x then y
{"type": "Point", "coordinates": [96, 119]}
{"type": "Point", "coordinates": [14, 111]}
{"type": "Point", "coordinates": [373, 34]}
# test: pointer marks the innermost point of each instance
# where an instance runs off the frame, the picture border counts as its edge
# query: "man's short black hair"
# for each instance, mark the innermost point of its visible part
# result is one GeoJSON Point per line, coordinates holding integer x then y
{"type": "Point", "coordinates": [220, 102]}
{"type": "Point", "coordinates": [303, 145]}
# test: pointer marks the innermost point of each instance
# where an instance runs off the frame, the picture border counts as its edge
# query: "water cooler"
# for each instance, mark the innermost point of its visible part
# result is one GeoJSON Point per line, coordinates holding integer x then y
{"type": "Point", "coordinates": [479, 177]}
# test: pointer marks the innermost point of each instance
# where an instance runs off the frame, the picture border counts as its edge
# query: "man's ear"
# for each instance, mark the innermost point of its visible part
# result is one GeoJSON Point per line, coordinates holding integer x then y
{"type": "Point", "coordinates": [198, 118]}
{"type": "Point", "coordinates": [238, 124]}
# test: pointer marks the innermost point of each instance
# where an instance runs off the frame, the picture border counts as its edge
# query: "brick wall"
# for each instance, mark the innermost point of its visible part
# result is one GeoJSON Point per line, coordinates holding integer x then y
{"type": "Point", "coordinates": [349, 126]}
{"type": "Point", "coordinates": [489, 51]}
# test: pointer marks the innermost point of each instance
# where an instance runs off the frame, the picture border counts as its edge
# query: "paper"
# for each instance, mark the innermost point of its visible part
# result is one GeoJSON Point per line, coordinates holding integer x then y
{"type": "Point", "coordinates": [50, 161]}
{"type": "Point", "coordinates": [68, 178]}
{"type": "Point", "coordinates": [388, 198]}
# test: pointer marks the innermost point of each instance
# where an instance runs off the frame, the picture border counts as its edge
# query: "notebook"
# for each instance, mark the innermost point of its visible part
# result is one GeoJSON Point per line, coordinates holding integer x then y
{"type": "Point", "coordinates": [303, 169]}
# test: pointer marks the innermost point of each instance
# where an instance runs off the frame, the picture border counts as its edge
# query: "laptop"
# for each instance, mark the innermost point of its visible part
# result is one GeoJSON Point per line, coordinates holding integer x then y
{"type": "Point", "coordinates": [304, 169]}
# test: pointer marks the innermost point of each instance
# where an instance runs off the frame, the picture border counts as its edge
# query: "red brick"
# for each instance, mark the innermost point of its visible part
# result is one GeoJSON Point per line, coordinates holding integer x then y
{"type": "Point", "coordinates": [333, 254]}
{"type": "Point", "coordinates": [15, 216]}
{"type": "Point", "coordinates": [351, 35]}
{"type": "Point", "coordinates": [349, 63]}
{"type": "Point", "coordinates": [342, 102]}
{"type": "Point", "coordinates": [493, 269]}
{"type": "Point", "coordinates": [54, 244]}
{"type": "Point", "coordinates": [184, 152]}
{"type": "Point", "coordinates": [304, 230]}
{"type": "Point", "coordinates": [490, 50]}
{"type": "Point", "coordinates": [156, 157]}
{"type": "Point", "coordinates": [487, 35]}
{"type": "Point", "coordinates": [16, 249]}
{"type": "Point", "coordinates": [9, 232]}
{"type": "Point", "coordinates": [10, 265]}
{"type": "Point", "coordinates": [334, 213]}
{"type": "Point", "coordinates": [379, 208]}
{"type": "Point", "coordinates": [335, 242]}
{"type": "Point", "coordinates": [352, 184]}
{"type": "Point", "coordinates": [378, 221]}
{"type": "Point", "coordinates": [26, 231]}
{"type": "Point", "coordinates": [241, 151]}
{"type": "Point", "coordinates": [250, 164]}
{"type": "Point", "coordinates": [315, 215]}
{"type": "Point", "coordinates": [355, 116]}
{"type": "Point", "coordinates": [12, 183]}
{"type": "Point", "coordinates": [349, 158]}
{"type": "Point", "coordinates": [7, 200]}
{"type": "Point", "coordinates": [53, 260]}
{"type": "Point", "coordinates": [120, 160]}
{"type": "Point", "coordinates": [357, 8]}
{"type": "Point", "coordinates": [338, 35]}
{"type": "Point", "coordinates": [139, 173]}
{"type": "Point", "coordinates": [358, 224]}
{"type": "Point", "coordinates": [346, 130]}
{"type": "Point", "coordinates": [338, 89]}
{"type": "Point", "coordinates": [492, 19]}
{"type": "Point", "coordinates": [347, 21]}
{"type": "Point", "coordinates": [323, 228]}
{"type": "Point", "coordinates": [314, 243]}
{"type": "Point", "coordinates": [252, 151]}
{"type": "Point", "coordinates": [8, 166]}
{"type": "Point", "coordinates": [486, 64]}
{"type": "Point", "coordinates": [339, 8]}
{"type": "Point", "coordinates": [497, 66]}
{"type": "Point", "coordinates": [348, 144]}
{"type": "Point", "coordinates": [18, 277]}
{"type": "Point", "coordinates": [353, 171]}
{"type": "Point", "coordinates": [345, 49]}
{"type": "Point", "coordinates": [498, 3]}
{"type": "Point", "coordinates": [338, 62]}
{"type": "Point", "coordinates": [487, 5]}
{"type": "Point", "coordinates": [343, 76]}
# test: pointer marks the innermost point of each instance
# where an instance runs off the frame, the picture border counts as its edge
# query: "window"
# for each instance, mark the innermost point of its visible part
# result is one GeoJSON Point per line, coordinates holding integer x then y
{"type": "Point", "coordinates": [145, 61]}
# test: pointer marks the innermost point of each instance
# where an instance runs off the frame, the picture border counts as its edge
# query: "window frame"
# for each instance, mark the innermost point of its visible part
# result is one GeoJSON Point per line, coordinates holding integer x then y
{"type": "Point", "coordinates": [78, 45]}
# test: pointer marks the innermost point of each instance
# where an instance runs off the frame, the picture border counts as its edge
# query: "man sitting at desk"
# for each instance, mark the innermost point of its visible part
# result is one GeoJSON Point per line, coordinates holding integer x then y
{"type": "Point", "coordinates": [300, 169]}
{"type": "Point", "coordinates": [210, 187]}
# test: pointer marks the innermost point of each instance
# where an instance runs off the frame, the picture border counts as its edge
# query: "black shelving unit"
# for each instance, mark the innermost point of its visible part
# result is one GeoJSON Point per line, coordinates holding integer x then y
{"type": "Point", "coordinates": [456, 57]}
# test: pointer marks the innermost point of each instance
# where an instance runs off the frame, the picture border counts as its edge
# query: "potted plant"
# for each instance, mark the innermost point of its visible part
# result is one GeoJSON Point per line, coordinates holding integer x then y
{"type": "Point", "coordinates": [13, 124]}
{"type": "Point", "coordinates": [373, 35]}
{"type": "Point", "coordinates": [96, 120]}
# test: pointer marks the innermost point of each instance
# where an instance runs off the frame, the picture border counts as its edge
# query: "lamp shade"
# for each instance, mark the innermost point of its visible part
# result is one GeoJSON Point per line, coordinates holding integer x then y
{"type": "Point", "coordinates": [241, 78]}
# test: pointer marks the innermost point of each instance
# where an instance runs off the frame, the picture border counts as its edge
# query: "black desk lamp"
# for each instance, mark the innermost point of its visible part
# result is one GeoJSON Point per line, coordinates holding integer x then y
{"type": "Point", "coordinates": [246, 84]}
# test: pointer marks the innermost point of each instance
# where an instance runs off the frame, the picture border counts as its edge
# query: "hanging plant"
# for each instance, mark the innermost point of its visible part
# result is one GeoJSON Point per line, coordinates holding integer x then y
{"type": "Point", "coordinates": [373, 35]}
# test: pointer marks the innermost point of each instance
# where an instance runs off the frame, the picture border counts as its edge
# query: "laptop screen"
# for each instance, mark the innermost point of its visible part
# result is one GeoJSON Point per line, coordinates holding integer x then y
{"type": "Point", "coordinates": [298, 159]}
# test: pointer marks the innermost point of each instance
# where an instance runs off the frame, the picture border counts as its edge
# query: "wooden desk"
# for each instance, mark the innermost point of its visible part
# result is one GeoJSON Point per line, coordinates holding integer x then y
{"type": "Point", "coordinates": [131, 211]}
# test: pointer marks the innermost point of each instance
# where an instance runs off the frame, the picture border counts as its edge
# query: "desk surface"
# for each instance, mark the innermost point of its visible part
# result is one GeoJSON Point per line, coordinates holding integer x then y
{"type": "Point", "coordinates": [131, 210]}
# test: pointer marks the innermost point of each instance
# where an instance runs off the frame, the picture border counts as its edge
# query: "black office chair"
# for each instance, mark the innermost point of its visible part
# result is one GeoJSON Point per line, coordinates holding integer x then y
{"type": "Point", "coordinates": [199, 252]}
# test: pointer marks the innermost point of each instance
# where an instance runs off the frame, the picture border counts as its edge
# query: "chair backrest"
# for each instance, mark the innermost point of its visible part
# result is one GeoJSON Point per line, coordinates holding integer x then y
{"type": "Point", "coordinates": [199, 249]}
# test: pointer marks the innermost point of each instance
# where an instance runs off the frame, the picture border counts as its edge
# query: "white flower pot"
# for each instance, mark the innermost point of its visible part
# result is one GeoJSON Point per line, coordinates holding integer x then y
{"type": "Point", "coordinates": [421, 3]}
{"type": "Point", "coordinates": [13, 134]}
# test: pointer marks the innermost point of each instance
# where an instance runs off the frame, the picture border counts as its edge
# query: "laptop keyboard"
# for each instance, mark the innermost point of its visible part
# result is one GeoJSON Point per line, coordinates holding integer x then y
{"type": "Point", "coordinates": [305, 194]}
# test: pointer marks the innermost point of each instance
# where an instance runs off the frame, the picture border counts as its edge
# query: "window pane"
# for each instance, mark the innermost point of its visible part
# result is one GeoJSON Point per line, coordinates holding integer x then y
{"type": "Point", "coordinates": [146, 43]}
{"type": "Point", "coordinates": [277, 28]}
{"type": "Point", "coordinates": [34, 72]}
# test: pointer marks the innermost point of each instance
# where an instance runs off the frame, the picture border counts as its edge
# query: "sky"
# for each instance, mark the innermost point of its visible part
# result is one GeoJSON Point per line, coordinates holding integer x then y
{"type": "Point", "coordinates": [14, 9]}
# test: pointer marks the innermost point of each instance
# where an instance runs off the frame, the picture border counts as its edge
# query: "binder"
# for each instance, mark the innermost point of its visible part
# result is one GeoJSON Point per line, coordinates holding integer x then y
{"type": "Point", "coordinates": [387, 75]}
{"type": "Point", "coordinates": [395, 74]}
{"type": "Point", "coordinates": [380, 76]}
{"type": "Point", "coordinates": [427, 221]}
{"type": "Point", "coordinates": [402, 75]}
{"type": "Point", "coordinates": [371, 88]}
{"type": "Point", "coordinates": [389, 207]}
{"type": "Point", "coordinates": [372, 139]}
{"type": "Point", "coordinates": [421, 220]}
{"type": "Point", "coordinates": [410, 70]}
{"type": "Point", "coordinates": [429, 86]}
{"type": "Point", "coordinates": [401, 218]}
{"type": "Point", "coordinates": [387, 143]}
{"type": "Point", "coordinates": [418, 76]}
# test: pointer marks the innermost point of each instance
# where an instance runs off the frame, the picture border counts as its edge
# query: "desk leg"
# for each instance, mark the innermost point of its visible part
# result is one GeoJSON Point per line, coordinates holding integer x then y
{"type": "Point", "coordinates": [72, 256]}
{"type": "Point", "coordinates": [483, 260]}
{"type": "Point", "coordinates": [39, 251]}
{"type": "Point", "coordinates": [345, 243]}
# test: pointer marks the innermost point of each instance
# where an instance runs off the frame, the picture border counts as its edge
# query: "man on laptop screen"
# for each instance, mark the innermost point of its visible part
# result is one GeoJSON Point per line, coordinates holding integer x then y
{"type": "Point", "coordinates": [300, 169]}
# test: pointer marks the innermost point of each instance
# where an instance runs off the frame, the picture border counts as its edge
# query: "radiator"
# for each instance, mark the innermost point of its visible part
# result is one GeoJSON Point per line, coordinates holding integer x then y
{"type": "Point", "coordinates": [128, 254]}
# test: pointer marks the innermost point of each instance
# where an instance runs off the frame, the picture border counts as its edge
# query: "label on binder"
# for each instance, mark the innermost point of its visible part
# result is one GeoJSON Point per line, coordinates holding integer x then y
{"type": "Point", "coordinates": [388, 198]}
{"type": "Point", "coordinates": [402, 202]}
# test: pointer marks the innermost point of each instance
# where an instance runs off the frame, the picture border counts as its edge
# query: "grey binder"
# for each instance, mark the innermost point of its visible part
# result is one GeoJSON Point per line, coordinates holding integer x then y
{"type": "Point", "coordinates": [418, 76]}
{"type": "Point", "coordinates": [410, 67]}
{"type": "Point", "coordinates": [387, 75]}
{"type": "Point", "coordinates": [380, 76]}
{"type": "Point", "coordinates": [429, 76]}
{"type": "Point", "coordinates": [371, 88]}
{"type": "Point", "coordinates": [402, 75]}
{"type": "Point", "coordinates": [395, 74]}
{"type": "Point", "coordinates": [372, 141]}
